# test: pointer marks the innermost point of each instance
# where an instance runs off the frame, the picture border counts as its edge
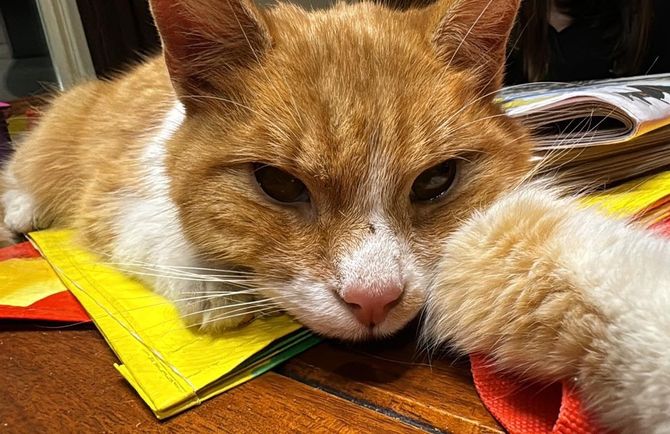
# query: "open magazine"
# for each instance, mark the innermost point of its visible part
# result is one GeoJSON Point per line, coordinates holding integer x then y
{"type": "Point", "coordinates": [599, 132]}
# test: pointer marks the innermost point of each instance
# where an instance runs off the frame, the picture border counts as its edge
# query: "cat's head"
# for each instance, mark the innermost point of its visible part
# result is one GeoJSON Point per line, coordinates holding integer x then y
{"type": "Point", "coordinates": [330, 153]}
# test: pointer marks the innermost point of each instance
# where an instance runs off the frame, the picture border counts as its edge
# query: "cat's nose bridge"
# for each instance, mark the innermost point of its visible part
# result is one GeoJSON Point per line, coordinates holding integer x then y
{"type": "Point", "coordinates": [371, 262]}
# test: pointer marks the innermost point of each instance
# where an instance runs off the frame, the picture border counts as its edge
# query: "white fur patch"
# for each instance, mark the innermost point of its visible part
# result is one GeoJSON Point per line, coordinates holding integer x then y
{"type": "Point", "coordinates": [153, 159]}
{"type": "Point", "coordinates": [148, 227]}
{"type": "Point", "coordinates": [19, 207]}
{"type": "Point", "coordinates": [375, 262]}
{"type": "Point", "coordinates": [323, 312]}
{"type": "Point", "coordinates": [149, 234]}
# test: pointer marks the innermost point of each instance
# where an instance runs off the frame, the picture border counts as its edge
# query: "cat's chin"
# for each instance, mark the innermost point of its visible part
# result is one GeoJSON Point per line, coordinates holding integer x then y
{"type": "Point", "coordinates": [348, 329]}
{"type": "Point", "coordinates": [356, 334]}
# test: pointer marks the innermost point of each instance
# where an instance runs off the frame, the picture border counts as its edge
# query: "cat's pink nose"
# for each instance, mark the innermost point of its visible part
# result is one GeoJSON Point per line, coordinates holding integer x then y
{"type": "Point", "coordinates": [370, 306]}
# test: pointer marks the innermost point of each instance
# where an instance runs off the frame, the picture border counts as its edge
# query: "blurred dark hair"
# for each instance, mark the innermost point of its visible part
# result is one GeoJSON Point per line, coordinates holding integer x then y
{"type": "Point", "coordinates": [626, 24]}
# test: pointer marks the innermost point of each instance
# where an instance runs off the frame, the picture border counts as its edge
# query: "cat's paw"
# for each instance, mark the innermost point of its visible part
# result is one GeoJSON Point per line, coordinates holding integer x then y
{"type": "Point", "coordinates": [19, 208]}
{"type": "Point", "coordinates": [500, 289]}
{"type": "Point", "coordinates": [212, 307]}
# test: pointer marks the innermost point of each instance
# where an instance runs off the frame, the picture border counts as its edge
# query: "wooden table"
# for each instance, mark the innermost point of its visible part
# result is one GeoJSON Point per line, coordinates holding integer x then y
{"type": "Point", "coordinates": [62, 380]}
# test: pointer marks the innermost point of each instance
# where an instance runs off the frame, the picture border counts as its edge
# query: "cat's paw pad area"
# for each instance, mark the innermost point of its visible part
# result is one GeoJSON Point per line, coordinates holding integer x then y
{"type": "Point", "coordinates": [19, 208]}
{"type": "Point", "coordinates": [218, 308]}
{"type": "Point", "coordinates": [212, 316]}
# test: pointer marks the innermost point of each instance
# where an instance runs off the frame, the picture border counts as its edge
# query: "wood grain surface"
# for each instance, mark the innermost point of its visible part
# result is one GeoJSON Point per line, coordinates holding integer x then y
{"type": "Point", "coordinates": [62, 380]}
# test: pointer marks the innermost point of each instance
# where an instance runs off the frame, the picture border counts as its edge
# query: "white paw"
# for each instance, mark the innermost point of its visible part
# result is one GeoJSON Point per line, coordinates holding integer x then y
{"type": "Point", "coordinates": [19, 211]}
{"type": "Point", "coordinates": [212, 307]}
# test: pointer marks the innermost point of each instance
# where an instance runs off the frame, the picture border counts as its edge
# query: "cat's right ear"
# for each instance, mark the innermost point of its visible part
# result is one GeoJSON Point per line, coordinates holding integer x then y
{"type": "Point", "coordinates": [207, 44]}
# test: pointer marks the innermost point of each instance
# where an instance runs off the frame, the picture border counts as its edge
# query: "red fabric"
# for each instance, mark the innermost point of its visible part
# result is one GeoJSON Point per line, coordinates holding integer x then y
{"type": "Point", "coordinates": [530, 408]}
{"type": "Point", "coordinates": [519, 406]}
{"type": "Point", "coordinates": [62, 307]}
{"type": "Point", "coordinates": [573, 418]}
{"type": "Point", "coordinates": [22, 250]}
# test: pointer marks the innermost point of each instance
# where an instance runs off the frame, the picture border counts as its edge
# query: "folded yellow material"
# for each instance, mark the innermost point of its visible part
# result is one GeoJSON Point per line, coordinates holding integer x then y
{"type": "Point", "coordinates": [171, 366]}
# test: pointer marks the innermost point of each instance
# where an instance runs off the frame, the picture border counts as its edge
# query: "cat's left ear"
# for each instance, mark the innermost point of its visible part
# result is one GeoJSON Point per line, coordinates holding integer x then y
{"type": "Point", "coordinates": [473, 35]}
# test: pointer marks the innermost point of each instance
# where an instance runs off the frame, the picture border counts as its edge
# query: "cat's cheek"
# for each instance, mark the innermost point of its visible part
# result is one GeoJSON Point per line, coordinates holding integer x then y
{"type": "Point", "coordinates": [411, 304]}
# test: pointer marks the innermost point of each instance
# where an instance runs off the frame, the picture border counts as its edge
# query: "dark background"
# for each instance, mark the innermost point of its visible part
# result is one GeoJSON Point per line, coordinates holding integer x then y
{"type": "Point", "coordinates": [121, 32]}
{"type": "Point", "coordinates": [118, 32]}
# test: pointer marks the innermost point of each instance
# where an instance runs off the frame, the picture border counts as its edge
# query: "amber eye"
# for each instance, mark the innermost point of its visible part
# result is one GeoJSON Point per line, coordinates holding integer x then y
{"type": "Point", "coordinates": [279, 185]}
{"type": "Point", "coordinates": [434, 182]}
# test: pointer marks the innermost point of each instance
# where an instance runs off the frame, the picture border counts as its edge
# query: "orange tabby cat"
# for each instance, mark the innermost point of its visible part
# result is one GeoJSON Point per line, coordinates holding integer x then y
{"type": "Point", "coordinates": [313, 159]}
{"type": "Point", "coordinates": [323, 163]}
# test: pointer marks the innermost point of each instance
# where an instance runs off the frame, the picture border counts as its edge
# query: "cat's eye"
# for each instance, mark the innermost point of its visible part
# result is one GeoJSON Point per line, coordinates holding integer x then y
{"type": "Point", "coordinates": [434, 182]}
{"type": "Point", "coordinates": [280, 185]}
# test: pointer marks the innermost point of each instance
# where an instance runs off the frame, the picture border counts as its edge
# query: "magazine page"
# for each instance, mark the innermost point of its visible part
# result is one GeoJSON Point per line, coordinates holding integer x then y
{"type": "Point", "coordinates": [588, 113]}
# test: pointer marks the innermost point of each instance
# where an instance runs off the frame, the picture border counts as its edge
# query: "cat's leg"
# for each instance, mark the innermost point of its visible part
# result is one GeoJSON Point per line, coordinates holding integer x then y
{"type": "Point", "coordinates": [145, 239]}
{"type": "Point", "coordinates": [206, 300]}
{"type": "Point", "coordinates": [554, 291]}
{"type": "Point", "coordinates": [18, 205]}
{"type": "Point", "coordinates": [206, 303]}
{"type": "Point", "coordinates": [127, 215]}
{"type": "Point", "coordinates": [18, 208]}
